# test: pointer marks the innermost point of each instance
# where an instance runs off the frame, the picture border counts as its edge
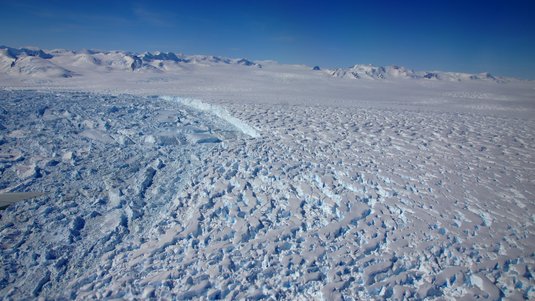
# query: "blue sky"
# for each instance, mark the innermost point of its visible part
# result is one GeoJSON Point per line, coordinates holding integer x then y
{"type": "Point", "coordinates": [470, 36]}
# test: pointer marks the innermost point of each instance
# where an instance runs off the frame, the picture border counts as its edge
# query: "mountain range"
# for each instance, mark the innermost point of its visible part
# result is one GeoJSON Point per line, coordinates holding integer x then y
{"type": "Point", "coordinates": [68, 63]}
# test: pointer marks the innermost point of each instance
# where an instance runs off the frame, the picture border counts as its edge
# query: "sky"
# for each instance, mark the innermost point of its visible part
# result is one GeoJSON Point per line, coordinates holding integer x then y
{"type": "Point", "coordinates": [448, 35]}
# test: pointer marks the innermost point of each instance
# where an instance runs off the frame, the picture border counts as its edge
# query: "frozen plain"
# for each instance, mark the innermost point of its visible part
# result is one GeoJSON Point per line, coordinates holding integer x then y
{"type": "Point", "coordinates": [219, 180]}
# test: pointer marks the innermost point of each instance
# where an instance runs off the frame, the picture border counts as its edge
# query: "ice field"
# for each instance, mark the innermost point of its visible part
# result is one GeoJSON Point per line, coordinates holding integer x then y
{"type": "Point", "coordinates": [190, 177]}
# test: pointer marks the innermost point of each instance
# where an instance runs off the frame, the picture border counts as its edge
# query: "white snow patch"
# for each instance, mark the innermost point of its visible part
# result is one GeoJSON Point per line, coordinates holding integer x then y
{"type": "Point", "coordinates": [217, 111]}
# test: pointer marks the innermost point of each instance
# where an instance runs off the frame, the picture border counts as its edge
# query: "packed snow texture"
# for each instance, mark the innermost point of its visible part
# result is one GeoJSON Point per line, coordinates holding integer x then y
{"type": "Point", "coordinates": [147, 197]}
{"type": "Point", "coordinates": [217, 111]}
{"type": "Point", "coordinates": [217, 178]}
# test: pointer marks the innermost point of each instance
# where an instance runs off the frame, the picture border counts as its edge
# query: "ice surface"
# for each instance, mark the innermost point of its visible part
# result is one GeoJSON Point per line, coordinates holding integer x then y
{"type": "Point", "coordinates": [217, 111]}
{"type": "Point", "coordinates": [331, 202]}
{"type": "Point", "coordinates": [7, 199]}
{"type": "Point", "coordinates": [276, 182]}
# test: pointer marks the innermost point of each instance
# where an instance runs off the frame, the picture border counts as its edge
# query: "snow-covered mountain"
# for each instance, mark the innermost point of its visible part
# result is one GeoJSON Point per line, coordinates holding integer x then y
{"type": "Point", "coordinates": [60, 62]}
{"type": "Point", "coordinates": [396, 72]}
{"type": "Point", "coordinates": [67, 63]}
{"type": "Point", "coordinates": [31, 62]}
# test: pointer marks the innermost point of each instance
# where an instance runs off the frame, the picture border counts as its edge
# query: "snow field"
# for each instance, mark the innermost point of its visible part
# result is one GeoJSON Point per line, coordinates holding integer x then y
{"type": "Point", "coordinates": [150, 197]}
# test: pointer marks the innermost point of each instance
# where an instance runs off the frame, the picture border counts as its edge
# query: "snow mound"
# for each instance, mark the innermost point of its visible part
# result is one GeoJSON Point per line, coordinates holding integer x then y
{"type": "Point", "coordinates": [86, 59]}
{"type": "Point", "coordinates": [217, 111]}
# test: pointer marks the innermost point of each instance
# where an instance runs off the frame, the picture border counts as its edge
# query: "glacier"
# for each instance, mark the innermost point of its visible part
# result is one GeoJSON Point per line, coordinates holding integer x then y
{"type": "Point", "coordinates": [170, 176]}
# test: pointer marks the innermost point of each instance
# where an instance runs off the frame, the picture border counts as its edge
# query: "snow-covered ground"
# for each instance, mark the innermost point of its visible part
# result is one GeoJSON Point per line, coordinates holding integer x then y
{"type": "Point", "coordinates": [195, 177]}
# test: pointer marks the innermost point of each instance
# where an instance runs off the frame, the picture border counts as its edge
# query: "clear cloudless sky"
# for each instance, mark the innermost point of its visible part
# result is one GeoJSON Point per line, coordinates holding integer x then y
{"type": "Point", "coordinates": [449, 35]}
